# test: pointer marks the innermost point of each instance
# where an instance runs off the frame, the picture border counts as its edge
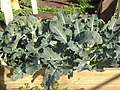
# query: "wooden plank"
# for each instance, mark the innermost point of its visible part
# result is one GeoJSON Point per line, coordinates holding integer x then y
{"type": "Point", "coordinates": [34, 6]}
{"type": "Point", "coordinates": [90, 80]}
{"type": "Point", "coordinates": [7, 10]}
{"type": "Point", "coordinates": [6, 83]}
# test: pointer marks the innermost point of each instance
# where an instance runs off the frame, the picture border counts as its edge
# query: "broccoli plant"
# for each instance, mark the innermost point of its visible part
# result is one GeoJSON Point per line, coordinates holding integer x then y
{"type": "Point", "coordinates": [61, 45]}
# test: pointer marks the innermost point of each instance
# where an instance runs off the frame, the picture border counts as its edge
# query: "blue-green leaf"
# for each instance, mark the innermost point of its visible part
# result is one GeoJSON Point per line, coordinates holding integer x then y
{"type": "Point", "coordinates": [49, 54]}
{"type": "Point", "coordinates": [57, 29]}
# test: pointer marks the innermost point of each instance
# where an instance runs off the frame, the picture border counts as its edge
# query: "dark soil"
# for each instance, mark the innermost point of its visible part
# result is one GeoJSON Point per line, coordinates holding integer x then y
{"type": "Point", "coordinates": [44, 16]}
{"type": "Point", "coordinates": [54, 3]}
{"type": "Point", "coordinates": [60, 4]}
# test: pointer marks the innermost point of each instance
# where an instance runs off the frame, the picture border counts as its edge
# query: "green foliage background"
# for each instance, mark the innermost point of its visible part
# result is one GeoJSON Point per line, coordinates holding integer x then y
{"type": "Point", "coordinates": [80, 5]}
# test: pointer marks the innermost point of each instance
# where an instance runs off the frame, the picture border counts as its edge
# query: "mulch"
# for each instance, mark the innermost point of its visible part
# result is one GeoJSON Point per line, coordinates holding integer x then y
{"type": "Point", "coordinates": [44, 16]}
{"type": "Point", "coordinates": [51, 4]}
{"type": "Point", "coordinates": [54, 3]}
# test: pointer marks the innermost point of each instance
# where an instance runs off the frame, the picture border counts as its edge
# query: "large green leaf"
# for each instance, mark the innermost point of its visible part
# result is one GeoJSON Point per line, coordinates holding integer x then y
{"type": "Point", "coordinates": [30, 47]}
{"type": "Point", "coordinates": [74, 16]}
{"type": "Point", "coordinates": [7, 49]}
{"type": "Point", "coordinates": [96, 38]}
{"type": "Point", "coordinates": [118, 51]}
{"type": "Point", "coordinates": [49, 80]}
{"type": "Point", "coordinates": [63, 17]}
{"type": "Point", "coordinates": [50, 76]}
{"type": "Point", "coordinates": [57, 29]}
{"type": "Point", "coordinates": [78, 26]}
{"type": "Point", "coordinates": [17, 73]}
{"type": "Point", "coordinates": [112, 23]}
{"type": "Point", "coordinates": [49, 54]}
{"type": "Point", "coordinates": [73, 46]}
{"type": "Point", "coordinates": [81, 65]}
{"type": "Point", "coordinates": [92, 22]}
{"type": "Point", "coordinates": [32, 68]}
{"type": "Point", "coordinates": [84, 36]}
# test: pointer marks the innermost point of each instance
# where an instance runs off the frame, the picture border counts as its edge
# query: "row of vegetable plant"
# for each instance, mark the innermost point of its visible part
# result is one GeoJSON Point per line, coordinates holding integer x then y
{"type": "Point", "coordinates": [61, 45]}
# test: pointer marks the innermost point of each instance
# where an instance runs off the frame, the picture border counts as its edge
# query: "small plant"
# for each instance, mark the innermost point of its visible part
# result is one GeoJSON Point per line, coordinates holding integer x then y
{"type": "Point", "coordinates": [27, 87]}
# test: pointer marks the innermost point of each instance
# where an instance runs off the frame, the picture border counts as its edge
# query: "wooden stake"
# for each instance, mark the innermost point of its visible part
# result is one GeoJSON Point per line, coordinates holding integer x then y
{"type": "Point", "coordinates": [34, 6]}
{"type": "Point", "coordinates": [7, 10]}
{"type": "Point", "coordinates": [15, 4]}
{"type": "Point", "coordinates": [118, 9]}
{"type": "Point", "coordinates": [1, 5]}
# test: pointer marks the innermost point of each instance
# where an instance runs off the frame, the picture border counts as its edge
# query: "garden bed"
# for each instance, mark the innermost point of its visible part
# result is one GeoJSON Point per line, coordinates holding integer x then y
{"type": "Point", "coordinates": [63, 45]}
{"type": "Point", "coordinates": [90, 80]}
